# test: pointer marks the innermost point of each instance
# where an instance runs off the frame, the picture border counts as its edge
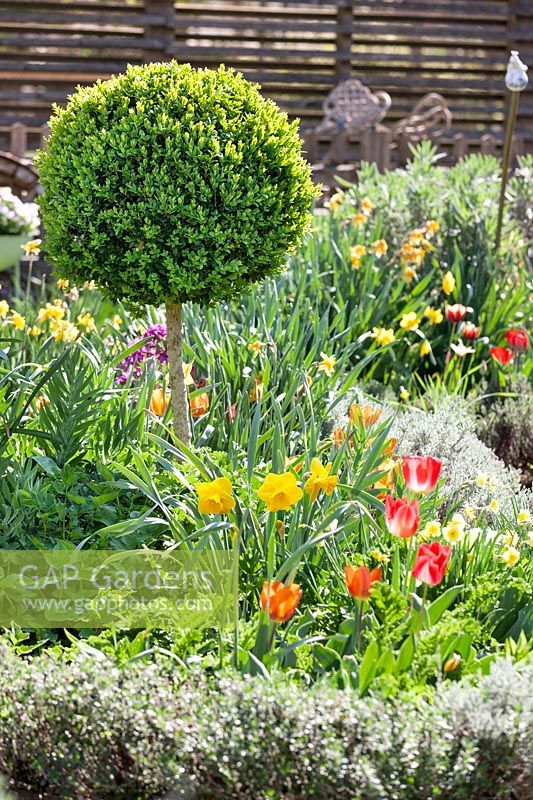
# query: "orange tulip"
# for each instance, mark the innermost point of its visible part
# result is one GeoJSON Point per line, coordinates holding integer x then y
{"type": "Point", "coordinates": [282, 601]}
{"type": "Point", "coordinates": [338, 436]}
{"type": "Point", "coordinates": [367, 415]}
{"type": "Point", "coordinates": [159, 402]}
{"type": "Point", "coordinates": [391, 446]}
{"type": "Point", "coordinates": [41, 401]}
{"type": "Point", "coordinates": [199, 405]}
{"type": "Point", "coordinates": [388, 481]}
{"type": "Point", "coordinates": [359, 581]}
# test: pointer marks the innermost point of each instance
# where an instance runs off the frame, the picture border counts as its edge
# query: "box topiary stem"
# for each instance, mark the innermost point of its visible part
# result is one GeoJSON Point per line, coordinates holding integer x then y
{"type": "Point", "coordinates": [178, 390]}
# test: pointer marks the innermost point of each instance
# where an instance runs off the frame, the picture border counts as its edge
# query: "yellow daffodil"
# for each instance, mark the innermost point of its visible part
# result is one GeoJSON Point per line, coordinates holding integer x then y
{"type": "Point", "coordinates": [63, 331]}
{"type": "Point", "coordinates": [334, 201]}
{"type": "Point", "coordinates": [89, 286]}
{"type": "Point", "coordinates": [470, 512]}
{"type": "Point", "coordinates": [320, 479]}
{"type": "Point", "coordinates": [86, 321]}
{"type": "Point", "coordinates": [403, 394]}
{"type": "Point", "coordinates": [258, 389]}
{"type": "Point", "coordinates": [523, 517]}
{"type": "Point", "coordinates": [32, 248]}
{"type": "Point", "coordinates": [381, 558]}
{"type": "Point", "coordinates": [359, 219]}
{"type": "Point", "coordinates": [215, 497]}
{"type": "Point", "coordinates": [18, 321]}
{"type": "Point", "coordinates": [117, 322]}
{"type": "Point", "coordinates": [383, 336]}
{"type": "Point", "coordinates": [367, 206]}
{"type": "Point", "coordinates": [510, 556]}
{"type": "Point", "coordinates": [448, 283]}
{"type": "Point", "coordinates": [62, 283]}
{"type": "Point", "coordinates": [409, 274]}
{"type": "Point", "coordinates": [425, 348]}
{"type": "Point", "coordinates": [494, 506]}
{"type": "Point", "coordinates": [432, 529]}
{"type": "Point", "coordinates": [187, 374]}
{"type": "Point", "coordinates": [280, 492]}
{"type": "Point", "coordinates": [416, 237]}
{"type": "Point", "coordinates": [35, 330]}
{"type": "Point", "coordinates": [356, 254]}
{"type": "Point", "coordinates": [327, 364]}
{"type": "Point", "coordinates": [434, 315]}
{"type": "Point", "coordinates": [407, 252]}
{"type": "Point", "coordinates": [380, 247]}
{"type": "Point", "coordinates": [52, 312]}
{"type": "Point", "coordinates": [432, 227]}
{"type": "Point", "coordinates": [410, 321]}
{"type": "Point", "coordinates": [510, 539]}
{"type": "Point", "coordinates": [255, 347]}
{"type": "Point", "coordinates": [454, 532]}
{"type": "Point", "coordinates": [4, 309]}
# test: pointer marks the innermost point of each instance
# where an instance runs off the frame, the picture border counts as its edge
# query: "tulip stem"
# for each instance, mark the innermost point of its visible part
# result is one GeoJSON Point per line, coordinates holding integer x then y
{"type": "Point", "coordinates": [421, 610]}
{"type": "Point", "coordinates": [359, 622]}
{"type": "Point", "coordinates": [271, 639]}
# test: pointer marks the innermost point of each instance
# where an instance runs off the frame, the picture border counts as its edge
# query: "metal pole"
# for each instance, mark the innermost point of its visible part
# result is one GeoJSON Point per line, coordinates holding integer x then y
{"type": "Point", "coordinates": [507, 147]}
{"type": "Point", "coordinates": [516, 82]}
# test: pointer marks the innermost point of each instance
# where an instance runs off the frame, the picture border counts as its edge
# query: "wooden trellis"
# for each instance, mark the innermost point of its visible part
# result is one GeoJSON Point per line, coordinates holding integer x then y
{"type": "Point", "coordinates": [297, 50]}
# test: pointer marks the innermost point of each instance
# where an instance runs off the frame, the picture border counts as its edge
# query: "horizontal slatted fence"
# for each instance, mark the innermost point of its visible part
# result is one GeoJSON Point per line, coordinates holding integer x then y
{"type": "Point", "coordinates": [297, 50]}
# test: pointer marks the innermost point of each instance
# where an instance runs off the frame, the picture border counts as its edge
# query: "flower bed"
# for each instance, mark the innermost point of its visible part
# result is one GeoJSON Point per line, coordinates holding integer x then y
{"type": "Point", "coordinates": [342, 417]}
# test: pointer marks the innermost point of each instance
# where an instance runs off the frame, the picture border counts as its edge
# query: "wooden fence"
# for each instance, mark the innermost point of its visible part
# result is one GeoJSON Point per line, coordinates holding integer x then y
{"type": "Point", "coordinates": [297, 50]}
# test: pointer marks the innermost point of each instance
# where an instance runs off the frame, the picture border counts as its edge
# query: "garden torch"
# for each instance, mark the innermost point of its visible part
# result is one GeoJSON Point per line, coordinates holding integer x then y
{"type": "Point", "coordinates": [516, 82]}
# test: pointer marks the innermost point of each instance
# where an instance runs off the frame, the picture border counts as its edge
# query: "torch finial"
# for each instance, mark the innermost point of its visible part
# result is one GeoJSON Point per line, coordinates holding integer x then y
{"type": "Point", "coordinates": [516, 76]}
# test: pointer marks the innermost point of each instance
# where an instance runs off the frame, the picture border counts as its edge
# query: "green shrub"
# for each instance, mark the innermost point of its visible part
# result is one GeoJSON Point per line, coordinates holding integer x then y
{"type": "Point", "coordinates": [87, 729]}
{"type": "Point", "coordinates": [169, 183]}
{"type": "Point", "coordinates": [506, 426]}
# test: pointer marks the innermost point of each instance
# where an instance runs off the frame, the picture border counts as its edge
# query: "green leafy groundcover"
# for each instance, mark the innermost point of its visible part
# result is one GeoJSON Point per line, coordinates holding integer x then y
{"type": "Point", "coordinates": [137, 732]}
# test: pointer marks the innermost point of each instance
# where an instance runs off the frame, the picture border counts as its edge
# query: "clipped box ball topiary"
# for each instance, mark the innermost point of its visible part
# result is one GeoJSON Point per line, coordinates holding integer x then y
{"type": "Point", "coordinates": [168, 184]}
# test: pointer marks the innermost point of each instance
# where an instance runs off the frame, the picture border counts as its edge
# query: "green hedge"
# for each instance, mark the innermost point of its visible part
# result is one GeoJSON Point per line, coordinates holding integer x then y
{"type": "Point", "coordinates": [87, 729]}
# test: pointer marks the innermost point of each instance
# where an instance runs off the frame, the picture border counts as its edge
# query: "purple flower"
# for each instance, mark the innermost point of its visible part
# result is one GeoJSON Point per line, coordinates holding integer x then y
{"type": "Point", "coordinates": [152, 352]}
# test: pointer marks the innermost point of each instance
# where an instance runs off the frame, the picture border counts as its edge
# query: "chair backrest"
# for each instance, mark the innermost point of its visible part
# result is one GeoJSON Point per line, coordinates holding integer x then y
{"type": "Point", "coordinates": [20, 176]}
{"type": "Point", "coordinates": [352, 108]}
{"type": "Point", "coordinates": [430, 115]}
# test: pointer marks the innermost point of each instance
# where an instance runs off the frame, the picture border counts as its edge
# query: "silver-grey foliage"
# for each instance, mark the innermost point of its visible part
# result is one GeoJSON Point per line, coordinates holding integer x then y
{"type": "Point", "coordinates": [86, 729]}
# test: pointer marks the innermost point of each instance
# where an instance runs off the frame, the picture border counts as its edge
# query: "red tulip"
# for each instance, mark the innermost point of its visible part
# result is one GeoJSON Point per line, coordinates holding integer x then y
{"type": "Point", "coordinates": [421, 473]}
{"type": "Point", "coordinates": [518, 340]}
{"type": "Point", "coordinates": [401, 517]}
{"type": "Point", "coordinates": [359, 581]}
{"type": "Point", "coordinates": [502, 354]}
{"type": "Point", "coordinates": [431, 562]}
{"type": "Point", "coordinates": [470, 331]}
{"type": "Point", "coordinates": [456, 313]}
